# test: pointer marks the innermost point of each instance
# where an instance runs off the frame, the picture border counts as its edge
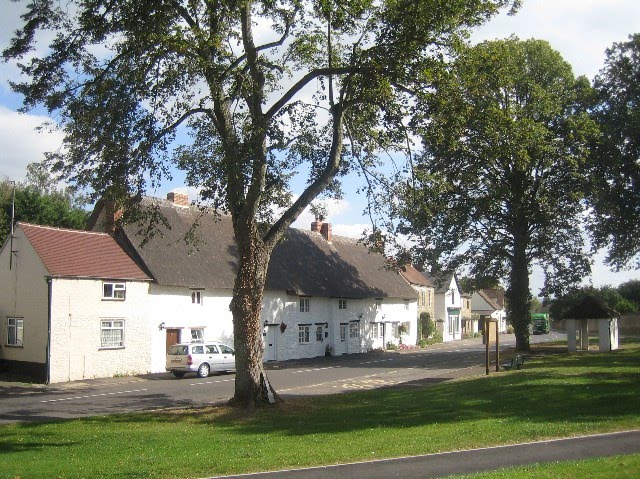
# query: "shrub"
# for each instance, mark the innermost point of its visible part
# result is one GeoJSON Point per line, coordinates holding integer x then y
{"type": "Point", "coordinates": [391, 346]}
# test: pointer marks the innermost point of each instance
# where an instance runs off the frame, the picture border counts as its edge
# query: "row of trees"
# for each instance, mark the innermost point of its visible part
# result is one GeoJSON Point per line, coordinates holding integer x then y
{"type": "Point", "coordinates": [521, 160]}
{"type": "Point", "coordinates": [624, 298]}
{"type": "Point", "coordinates": [38, 200]}
{"type": "Point", "coordinates": [269, 90]}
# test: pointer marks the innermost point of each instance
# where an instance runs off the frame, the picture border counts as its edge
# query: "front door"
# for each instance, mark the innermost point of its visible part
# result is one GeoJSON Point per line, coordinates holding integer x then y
{"type": "Point", "coordinates": [173, 337]}
{"type": "Point", "coordinates": [270, 338]}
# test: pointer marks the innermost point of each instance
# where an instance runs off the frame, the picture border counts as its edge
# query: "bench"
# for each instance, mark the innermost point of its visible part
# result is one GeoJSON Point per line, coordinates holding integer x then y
{"type": "Point", "coordinates": [517, 362]}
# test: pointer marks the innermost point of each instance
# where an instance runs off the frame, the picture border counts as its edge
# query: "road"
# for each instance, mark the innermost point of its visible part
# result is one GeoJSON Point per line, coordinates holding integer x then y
{"type": "Point", "coordinates": [19, 403]}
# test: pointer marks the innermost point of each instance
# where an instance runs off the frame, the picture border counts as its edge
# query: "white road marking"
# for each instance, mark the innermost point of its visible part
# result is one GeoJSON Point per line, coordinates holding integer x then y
{"type": "Point", "coordinates": [94, 395]}
{"type": "Point", "coordinates": [377, 361]}
{"type": "Point", "coordinates": [212, 382]}
{"type": "Point", "coordinates": [314, 369]}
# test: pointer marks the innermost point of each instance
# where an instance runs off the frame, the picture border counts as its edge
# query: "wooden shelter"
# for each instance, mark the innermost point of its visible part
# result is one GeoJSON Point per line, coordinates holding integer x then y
{"type": "Point", "coordinates": [591, 308]}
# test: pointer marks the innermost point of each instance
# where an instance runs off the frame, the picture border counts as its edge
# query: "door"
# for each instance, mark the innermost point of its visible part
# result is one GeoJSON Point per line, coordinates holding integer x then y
{"type": "Point", "coordinates": [228, 358]}
{"type": "Point", "coordinates": [270, 338]}
{"type": "Point", "coordinates": [173, 337]}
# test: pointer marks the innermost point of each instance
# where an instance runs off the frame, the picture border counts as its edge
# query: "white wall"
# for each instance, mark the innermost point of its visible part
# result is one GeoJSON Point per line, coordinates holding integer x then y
{"type": "Point", "coordinates": [443, 303]}
{"type": "Point", "coordinates": [23, 293]}
{"type": "Point", "coordinates": [172, 306]}
{"type": "Point", "coordinates": [76, 313]}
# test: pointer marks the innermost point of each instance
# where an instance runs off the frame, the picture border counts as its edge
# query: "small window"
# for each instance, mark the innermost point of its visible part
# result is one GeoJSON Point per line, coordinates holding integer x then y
{"type": "Point", "coordinates": [15, 332]}
{"type": "Point", "coordinates": [406, 304]}
{"type": "Point", "coordinates": [303, 334]}
{"type": "Point", "coordinates": [453, 296]}
{"type": "Point", "coordinates": [112, 333]}
{"type": "Point", "coordinates": [304, 305]}
{"type": "Point", "coordinates": [211, 349]}
{"type": "Point", "coordinates": [196, 297]}
{"type": "Point", "coordinates": [378, 304]}
{"type": "Point", "coordinates": [319, 335]}
{"type": "Point", "coordinates": [354, 331]}
{"type": "Point", "coordinates": [429, 297]}
{"type": "Point", "coordinates": [197, 335]}
{"type": "Point", "coordinates": [113, 291]}
{"type": "Point", "coordinates": [343, 332]}
{"type": "Point", "coordinates": [374, 330]}
{"type": "Point", "coordinates": [342, 304]}
{"type": "Point", "coordinates": [197, 349]}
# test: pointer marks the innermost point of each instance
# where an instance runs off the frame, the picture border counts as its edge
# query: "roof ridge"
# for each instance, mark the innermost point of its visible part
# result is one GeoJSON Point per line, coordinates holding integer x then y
{"type": "Point", "coordinates": [67, 230]}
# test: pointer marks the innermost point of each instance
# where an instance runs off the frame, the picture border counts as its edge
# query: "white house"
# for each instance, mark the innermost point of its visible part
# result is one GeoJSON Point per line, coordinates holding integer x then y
{"type": "Point", "coordinates": [484, 306]}
{"type": "Point", "coordinates": [448, 307]}
{"type": "Point", "coordinates": [324, 293]}
{"type": "Point", "coordinates": [72, 305]}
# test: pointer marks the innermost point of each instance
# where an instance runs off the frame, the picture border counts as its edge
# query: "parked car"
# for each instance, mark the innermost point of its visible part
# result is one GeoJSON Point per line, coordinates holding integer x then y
{"type": "Point", "coordinates": [200, 358]}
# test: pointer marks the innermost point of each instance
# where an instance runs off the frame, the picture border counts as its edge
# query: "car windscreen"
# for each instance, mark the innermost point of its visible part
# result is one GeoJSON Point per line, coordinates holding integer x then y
{"type": "Point", "coordinates": [178, 350]}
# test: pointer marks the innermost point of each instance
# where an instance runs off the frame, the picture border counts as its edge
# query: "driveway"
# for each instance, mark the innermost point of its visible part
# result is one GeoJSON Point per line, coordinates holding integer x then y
{"type": "Point", "coordinates": [441, 362]}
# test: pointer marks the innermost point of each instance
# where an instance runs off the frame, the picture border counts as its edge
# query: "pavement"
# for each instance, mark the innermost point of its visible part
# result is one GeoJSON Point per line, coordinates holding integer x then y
{"type": "Point", "coordinates": [468, 461]}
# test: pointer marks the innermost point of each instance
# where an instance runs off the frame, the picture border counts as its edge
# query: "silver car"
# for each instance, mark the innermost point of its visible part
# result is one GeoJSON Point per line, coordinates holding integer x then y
{"type": "Point", "coordinates": [200, 358]}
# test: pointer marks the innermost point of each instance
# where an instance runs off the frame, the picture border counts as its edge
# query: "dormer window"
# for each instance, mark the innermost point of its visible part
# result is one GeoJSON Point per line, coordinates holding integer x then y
{"type": "Point", "coordinates": [114, 291]}
{"type": "Point", "coordinates": [196, 297]}
{"type": "Point", "coordinates": [342, 304]}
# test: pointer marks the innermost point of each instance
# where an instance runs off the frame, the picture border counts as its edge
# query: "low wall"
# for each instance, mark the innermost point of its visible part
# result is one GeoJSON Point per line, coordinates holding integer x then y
{"type": "Point", "coordinates": [628, 325]}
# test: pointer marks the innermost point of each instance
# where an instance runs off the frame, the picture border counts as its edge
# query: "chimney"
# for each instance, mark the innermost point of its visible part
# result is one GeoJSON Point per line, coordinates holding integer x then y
{"type": "Point", "coordinates": [325, 230]}
{"type": "Point", "coordinates": [178, 199]}
{"type": "Point", "coordinates": [316, 225]}
{"type": "Point", "coordinates": [111, 217]}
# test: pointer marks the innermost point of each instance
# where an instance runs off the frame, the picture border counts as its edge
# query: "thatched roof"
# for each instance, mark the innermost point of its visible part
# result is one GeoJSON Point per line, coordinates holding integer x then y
{"type": "Point", "coordinates": [590, 308]}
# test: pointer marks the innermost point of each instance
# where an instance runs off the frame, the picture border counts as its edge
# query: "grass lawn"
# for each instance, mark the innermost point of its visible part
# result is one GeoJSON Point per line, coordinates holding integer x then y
{"type": "Point", "coordinates": [555, 395]}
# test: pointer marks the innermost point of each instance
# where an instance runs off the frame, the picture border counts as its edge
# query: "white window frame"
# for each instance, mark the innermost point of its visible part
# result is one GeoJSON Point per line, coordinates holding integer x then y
{"type": "Point", "coordinates": [319, 333]}
{"type": "Point", "coordinates": [111, 325]}
{"type": "Point", "coordinates": [303, 334]}
{"type": "Point", "coordinates": [378, 304]}
{"type": "Point", "coordinates": [196, 296]}
{"type": "Point", "coordinates": [17, 341]}
{"type": "Point", "coordinates": [118, 290]}
{"type": "Point", "coordinates": [304, 305]}
{"type": "Point", "coordinates": [342, 304]}
{"type": "Point", "coordinates": [197, 335]}
{"type": "Point", "coordinates": [406, 305]}
{"type": "Point", "coordinates": [343, 332]}
{"type": "Point", "coordinates": [354, 330]}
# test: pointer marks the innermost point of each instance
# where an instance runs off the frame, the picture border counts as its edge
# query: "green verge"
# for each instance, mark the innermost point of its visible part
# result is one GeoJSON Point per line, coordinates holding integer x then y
{"type": "Point", "coordinates": [555, 395]}
{"type": "Point", "coordinates": [616, 467]}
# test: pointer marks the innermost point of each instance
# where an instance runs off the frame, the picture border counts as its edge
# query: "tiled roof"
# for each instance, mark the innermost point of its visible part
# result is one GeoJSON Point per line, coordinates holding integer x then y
{"type": "Point", "coordinates": [413, 276]}
{"type": "Point", "coordinates": [303, 263]}
{"type": "Point", "coordinates": [483, 294]}
{"type": "Point", "coordinates": [83, 254]}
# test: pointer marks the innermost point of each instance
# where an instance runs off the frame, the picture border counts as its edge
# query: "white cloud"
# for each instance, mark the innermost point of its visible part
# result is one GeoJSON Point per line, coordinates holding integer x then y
{"type": "Point", "coordinates": [21, 144]}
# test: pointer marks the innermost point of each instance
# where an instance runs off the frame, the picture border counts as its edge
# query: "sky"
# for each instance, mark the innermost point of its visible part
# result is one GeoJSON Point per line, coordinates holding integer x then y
{"type": "Point", "coordinates": [580, 30]}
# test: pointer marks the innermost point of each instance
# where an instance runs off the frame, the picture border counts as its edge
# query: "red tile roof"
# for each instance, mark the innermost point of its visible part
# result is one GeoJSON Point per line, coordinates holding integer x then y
{"type": "Point", "coordinates": [413, 276]}
{"type": "Point", "coordinates": [84, 254]}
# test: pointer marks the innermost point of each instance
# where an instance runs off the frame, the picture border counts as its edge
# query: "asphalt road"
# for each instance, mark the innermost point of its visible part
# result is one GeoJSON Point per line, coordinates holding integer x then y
{"type": "Point", "coordinates": [19, 402]}
{"type": "Point", "coordinates": [469, 461]}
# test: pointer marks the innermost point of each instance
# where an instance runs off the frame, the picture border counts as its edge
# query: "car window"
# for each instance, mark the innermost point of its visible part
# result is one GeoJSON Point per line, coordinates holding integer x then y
{"type": "Point", "coordinates": [178, 350]}
{"type": "Point", "coordinates": [226, 349]}
{"type": "Point", "coordinates": [211, 349]}
{"type": "Point", "coordinates": [197, 350]}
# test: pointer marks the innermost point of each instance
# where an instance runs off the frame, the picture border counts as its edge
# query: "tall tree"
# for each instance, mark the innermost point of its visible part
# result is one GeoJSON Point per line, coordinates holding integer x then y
{"type": "Point", "coordinates": [616, 161]}
{"type": "Point", "coordinates": [500, 183]}
{"type": "Point", "coordinates": [266, 89]}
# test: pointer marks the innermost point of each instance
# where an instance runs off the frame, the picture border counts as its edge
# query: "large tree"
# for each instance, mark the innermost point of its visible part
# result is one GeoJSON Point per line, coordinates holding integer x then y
{"type": "Point", "coordinates": [616, 159]}
{"type": "Point", "coordinates": [500, 183]}
{"type": "Point", "coordinates": [266, 88]}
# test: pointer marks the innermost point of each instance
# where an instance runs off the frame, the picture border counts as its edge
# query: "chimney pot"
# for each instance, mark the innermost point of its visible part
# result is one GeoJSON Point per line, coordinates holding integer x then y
{"type": "Point", "coordinates": [316, 226]}
{"type": "Point", "coordinates": [178, 199]}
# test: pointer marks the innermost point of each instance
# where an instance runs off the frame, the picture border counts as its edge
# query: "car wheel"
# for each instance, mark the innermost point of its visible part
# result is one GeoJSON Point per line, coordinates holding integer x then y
{"type": "Point", "coordinates": [203, 370]}
{"type": "Point", "coordinates": [178, 374]}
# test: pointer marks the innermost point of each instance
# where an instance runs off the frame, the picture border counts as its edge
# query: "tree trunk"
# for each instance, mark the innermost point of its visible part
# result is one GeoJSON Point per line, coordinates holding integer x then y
{"type": "Point", "coordinates": [518, 295]}
{"type": "Point", "coordinates": [246, 307]}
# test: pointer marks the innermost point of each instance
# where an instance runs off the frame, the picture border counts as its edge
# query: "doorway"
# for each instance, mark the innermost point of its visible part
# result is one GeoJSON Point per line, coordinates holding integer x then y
{"type": "Point", "coordinates": [173, 337]}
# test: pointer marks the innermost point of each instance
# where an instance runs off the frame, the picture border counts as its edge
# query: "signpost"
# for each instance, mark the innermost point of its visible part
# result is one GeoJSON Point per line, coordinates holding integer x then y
{"type": "Point", "coordinates": [491, 329]}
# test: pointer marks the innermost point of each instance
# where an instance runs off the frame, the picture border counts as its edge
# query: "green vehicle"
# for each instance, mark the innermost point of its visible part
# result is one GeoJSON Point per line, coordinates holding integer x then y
{"type": "Point", "coordinates": [540, 323]}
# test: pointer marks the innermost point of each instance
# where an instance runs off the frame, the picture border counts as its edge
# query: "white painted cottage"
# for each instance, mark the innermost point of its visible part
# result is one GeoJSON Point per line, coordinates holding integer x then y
{"type": "Point", "coordinates": [448, 307]}
{"type": "Point", "coordinates": [324, 294]}
{"type": "Point", "coordinates": [72, 305]}
{"type": "Point", "coordinates": [484, 305]}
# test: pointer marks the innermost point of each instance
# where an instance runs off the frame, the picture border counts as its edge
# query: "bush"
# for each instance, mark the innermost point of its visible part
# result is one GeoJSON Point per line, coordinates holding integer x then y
{"type": "Point", "coordinates": [427, 326]}
{"type": "Point", "coordinates": [391, 346]}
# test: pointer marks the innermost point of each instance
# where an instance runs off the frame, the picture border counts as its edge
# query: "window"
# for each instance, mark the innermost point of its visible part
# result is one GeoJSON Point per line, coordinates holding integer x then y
{"type": "Point", "coordinates": [304, 305]}
{"type": "Point", "coordinates": [197, 335]}
{"type": "Point", "coordinates": [354, 331]}
{"type": "Point", "coordinates": [454, 324]}
{"type": "Point", "coordinates": [112, 333]}
{"type": "Point", "coordinates": [196, 297]}
{"type": "Point", "coordinates": [406, 304]}
{"type": "Point", "coordinates": [342, 304]}
{"type": "Point", "coordinates": [226, 349]}
{"type": "Point", "coordinates": [429, 297]}
{"type": "Point", "coordinates": [378, 304]}
{"type": "Point", "coordinates": [376, 330]}
{"type": "Point", "coordinates": [343, 332]}
{"type": "Point", "coordinates": [212, 349]}
{"type": "Point", "coordinates": [197, 349]}
{"type": "Point", "coordinates": [303, 334]}
{"type": "Point", "coordinates": [319, 335]}
{"type": "Point", "coordinates": [15, 331]}
{"type": "Point", "coordinates": [113, 291]}
{"type": "Point", "coordinates": [453, 296]}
